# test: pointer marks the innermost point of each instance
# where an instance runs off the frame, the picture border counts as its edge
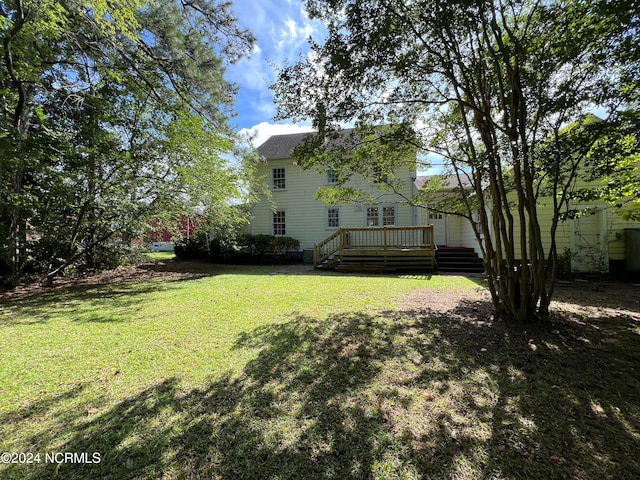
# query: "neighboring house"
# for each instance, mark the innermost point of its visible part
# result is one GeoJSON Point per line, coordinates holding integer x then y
{"type": "Point", "coordinates": [293, 210]}
{"type": "Point", "coordinates": [593, 242]}
{"type": "Point", "coordinates": [162, 240]}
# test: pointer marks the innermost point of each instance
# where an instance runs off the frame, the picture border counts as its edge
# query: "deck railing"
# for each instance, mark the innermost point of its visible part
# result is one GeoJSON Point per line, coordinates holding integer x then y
{"type": "Point", "coordinates": [378, 238]}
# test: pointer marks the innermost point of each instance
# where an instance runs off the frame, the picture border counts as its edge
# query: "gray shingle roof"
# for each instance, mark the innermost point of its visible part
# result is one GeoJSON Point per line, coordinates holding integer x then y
{"type": "Point", "coordinates": [281, 146]}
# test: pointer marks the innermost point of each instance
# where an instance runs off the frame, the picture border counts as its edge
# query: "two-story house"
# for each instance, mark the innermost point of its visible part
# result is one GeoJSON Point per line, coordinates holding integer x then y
{"type": "Point", "coordinates": [292, 209]}
{"type": "Point", "coordinates": [595, 241]}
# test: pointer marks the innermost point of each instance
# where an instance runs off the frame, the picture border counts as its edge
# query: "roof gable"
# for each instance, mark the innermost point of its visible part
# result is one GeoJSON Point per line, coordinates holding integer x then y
{"type": "Point", "coordinates": [281, 146]}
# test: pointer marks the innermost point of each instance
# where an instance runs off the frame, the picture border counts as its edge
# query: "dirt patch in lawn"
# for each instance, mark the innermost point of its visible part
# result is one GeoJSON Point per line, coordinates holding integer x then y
{"type": "Point", "coordinates": [160, 269]}
{"type": "Point", "coordinates": [581, 299]}
{"type": "Point", "coordinates": [581, 314]}
{"type": "Point", "coordinates": [171, 269]}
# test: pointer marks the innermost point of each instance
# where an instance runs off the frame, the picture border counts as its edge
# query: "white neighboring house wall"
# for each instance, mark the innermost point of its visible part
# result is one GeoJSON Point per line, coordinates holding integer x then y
{"type": "Point", "coordinates": [161, 246]}
{"type": "Point", "coordinates": [449, 230]}
{"type": "Point", "coordinates": [594, 240]}
{"type": "Point", "coordinates": [309, 220]}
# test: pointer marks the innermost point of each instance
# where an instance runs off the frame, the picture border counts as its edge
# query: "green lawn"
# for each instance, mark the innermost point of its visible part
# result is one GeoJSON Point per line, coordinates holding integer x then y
{"type": "Point", "coordinates": [233, 372]}
{"type": "Point", "coordinates": [159, 255]}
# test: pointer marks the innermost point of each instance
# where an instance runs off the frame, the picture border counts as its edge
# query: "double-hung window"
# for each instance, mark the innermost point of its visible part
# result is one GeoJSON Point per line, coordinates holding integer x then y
{"type": "Point", "coordinates": [332, 175]}
{"type": "Point", "coordinates": [388, 216]}
{"type": "Point", "coordinates": [372, 217]}
{"type": "Point", "coordinates": [333, 217]}
{"type": "Point", "coordinates": [279, 223]}
{"type": "Point", "coordinates": [278, 178]}
{"type": "Point", "coordinates": [380, 216]}
{"type": "Point", "coordinates": [379, 176]}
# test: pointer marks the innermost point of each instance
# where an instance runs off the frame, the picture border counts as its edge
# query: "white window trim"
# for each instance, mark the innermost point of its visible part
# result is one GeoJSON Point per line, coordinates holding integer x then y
{"type": "Point", "coordinates": [331, 173]}
{"type": "Point", "coordinates": [434, 213]}
{"type": "Point", "coordinates": [326, 218]}
{"type": "Point", "coordinates": [381, 178]}
{"type": "Point", "coordinates": [286, 179]}
{"type": "Point", "coordinates": [366, 216]}
{"type": "Point", "coordinates": [395, 215]}
{"type": "Point", "coordinates": [380, 210]}
{"type": "Point", "coordinates": [273, 229]}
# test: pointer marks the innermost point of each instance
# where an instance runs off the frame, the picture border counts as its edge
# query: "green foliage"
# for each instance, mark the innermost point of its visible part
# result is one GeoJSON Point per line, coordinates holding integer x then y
{"type": "Point", "coordinates": [260, 245]}
{"type": "Point", "coordinates": [220, 246]}
{"type": "Point", "coordinates": [563, 269]}
{"type": "Point", "coordinates": [376, 153]}
{"type": "Point", "coordinates": [114, 115]}
{"type": "Point", "coordinates": [614, 162]}
{"type": "Point", "coordinates": [490, 87]}
{"type": "Point", "coordinates": [234, 372]}
{"type": "Point", "coordinates": [193, 247]}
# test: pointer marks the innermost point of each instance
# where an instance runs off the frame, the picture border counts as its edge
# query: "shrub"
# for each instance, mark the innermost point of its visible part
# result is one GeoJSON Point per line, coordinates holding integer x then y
{"type": "Point", "coordinates": [256, 246]}
{"type": "Point", "coordinates": [261, 244]}
{"type": "Point", "coordinates": [563, 268]}
{"type": "Point", "coordinates": [193, 247]}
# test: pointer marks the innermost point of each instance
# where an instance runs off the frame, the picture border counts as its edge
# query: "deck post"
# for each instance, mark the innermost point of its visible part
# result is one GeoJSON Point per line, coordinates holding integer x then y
{"type": "Point", "coordinates": [384, 235]}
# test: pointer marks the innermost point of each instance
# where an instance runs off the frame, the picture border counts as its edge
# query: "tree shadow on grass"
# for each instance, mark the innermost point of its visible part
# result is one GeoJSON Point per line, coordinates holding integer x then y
{"type": "Point", "coordinates": [415, 394]}
{"type": "Point", "coordinates": [103, 303]}
{"type": "Point", "coordinates": [601, 296]}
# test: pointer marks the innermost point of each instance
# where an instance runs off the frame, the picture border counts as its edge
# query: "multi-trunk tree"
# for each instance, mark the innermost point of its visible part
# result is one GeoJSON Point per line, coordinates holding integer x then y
{"type": "Point", "coordinates": [491, 87]}
{"type": "Point", "coordinates": [113, 113]}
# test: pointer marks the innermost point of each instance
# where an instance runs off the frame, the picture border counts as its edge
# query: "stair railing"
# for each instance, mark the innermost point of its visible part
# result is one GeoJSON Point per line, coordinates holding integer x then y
{"type": "Point", "coordinates": [329, 246]}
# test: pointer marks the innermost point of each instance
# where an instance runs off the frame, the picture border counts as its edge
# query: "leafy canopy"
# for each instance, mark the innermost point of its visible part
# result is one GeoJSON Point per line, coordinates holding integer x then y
{"type": "Point", "coordinates": [489, 86]}
{"type": "Point", "coordinates": [114, 115]}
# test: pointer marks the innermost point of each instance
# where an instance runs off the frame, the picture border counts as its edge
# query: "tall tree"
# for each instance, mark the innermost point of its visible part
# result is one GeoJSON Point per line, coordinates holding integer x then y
{"type": "Point", "coordinates": [488, 85]}
{"type": "Point", "coordinates": [92, 95]}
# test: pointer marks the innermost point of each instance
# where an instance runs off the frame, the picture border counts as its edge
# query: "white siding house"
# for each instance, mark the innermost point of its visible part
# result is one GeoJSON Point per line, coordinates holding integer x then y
{"type": "Point", "coordinates": [596, 240]}
{"type": "Point", "coordinates": [293, 210]}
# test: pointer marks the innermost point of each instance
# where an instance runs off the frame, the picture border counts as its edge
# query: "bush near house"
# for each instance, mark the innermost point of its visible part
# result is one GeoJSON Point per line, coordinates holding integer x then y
{"type": "Point", "coordinates": [261, 245]}
{"type": "Point", "coordinates": [193, 247]}
{"type": "Point", "coordinates": [246, 248]}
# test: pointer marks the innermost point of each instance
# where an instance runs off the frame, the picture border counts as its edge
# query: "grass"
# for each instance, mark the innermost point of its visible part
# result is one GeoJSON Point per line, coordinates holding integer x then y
{"type": "Point", "coordinates": [159, 255]}
{"type": "Point", "coordinates": [232, 372]}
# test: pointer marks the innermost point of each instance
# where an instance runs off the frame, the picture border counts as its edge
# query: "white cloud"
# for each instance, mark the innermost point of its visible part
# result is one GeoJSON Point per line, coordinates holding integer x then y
{"type": "Point", "coordinates": [281, 30]}
{"type": "Point", "coordinates": [292, 28]}
{"type": "Point", "coordinates": [259, 133]}
{"type": "Point", "coordinates": [292, 38]}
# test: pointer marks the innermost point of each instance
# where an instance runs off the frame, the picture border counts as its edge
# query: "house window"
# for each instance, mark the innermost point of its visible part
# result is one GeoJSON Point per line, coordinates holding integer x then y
{"type": "Point", "coordinates": [385, 216]}
{"type": "Point", "coordinates": [279, 227]}
{"type": "Point", "coordinates": [332, 175]}
{"type": "Point", "coordinates": [333, 218]}
{"type": "Point", "coordinates": [379, 176]}
{"type": "Point", "coordinates": [278, 178]}
{"type": "Point", "coordinates": [435, 215]}
{"type": "Point", "coordinates": [372, 217]}
{"type": "Point", "coordinates": [388, 215]}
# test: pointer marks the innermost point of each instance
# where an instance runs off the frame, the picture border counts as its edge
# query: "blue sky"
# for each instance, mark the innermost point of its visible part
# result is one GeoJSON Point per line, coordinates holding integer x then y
{"type": "Point", "coordinates": [282, 29]}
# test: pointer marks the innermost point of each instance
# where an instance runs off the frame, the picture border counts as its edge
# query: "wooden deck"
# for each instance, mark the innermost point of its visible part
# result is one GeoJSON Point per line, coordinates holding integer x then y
{"type": "Point", "coordinates": [377, 249]}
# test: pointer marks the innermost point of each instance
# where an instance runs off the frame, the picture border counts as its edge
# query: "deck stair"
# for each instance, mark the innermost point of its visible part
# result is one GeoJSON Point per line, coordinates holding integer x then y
{"type": "Point", "coordinates": [377, 249]}
{"type": "Point", "coordinates": [459, 260]}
